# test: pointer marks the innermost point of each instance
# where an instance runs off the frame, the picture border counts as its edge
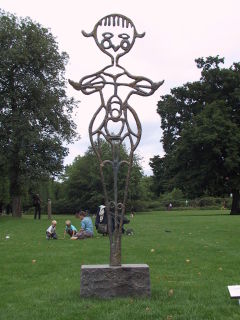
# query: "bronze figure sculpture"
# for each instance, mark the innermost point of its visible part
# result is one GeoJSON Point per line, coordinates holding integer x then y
{"type": "Point", "coordinates": [115, 121]}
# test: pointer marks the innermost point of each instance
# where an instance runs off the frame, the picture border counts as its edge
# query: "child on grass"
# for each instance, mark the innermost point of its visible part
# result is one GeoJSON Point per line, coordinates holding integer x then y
{"type": "Point", "coordinates": [69, 229]}
{"type": "Point", "coordinates": [51, 231]}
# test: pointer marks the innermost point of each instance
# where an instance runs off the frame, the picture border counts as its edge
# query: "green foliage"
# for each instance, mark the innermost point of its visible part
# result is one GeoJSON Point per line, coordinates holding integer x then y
{"type": "Point", "coordinates": [174, 196]}
{"type": "Point", "coordinates": [201, 133]}
{"type": "Point", "coordinates": [82, 187]}
{"type": "Point", "coordinates": [179, 203]}
{"type": "Point", "coordinates": [207, 202]}
{"type": "Point", "coordinates": [4, 190]}
{"type": "Point", "coordinates": [146, 188]}
{"type": "Point", "coordinates": [160, 183]}
{"type": "Point", "coordinates": [35, 113]}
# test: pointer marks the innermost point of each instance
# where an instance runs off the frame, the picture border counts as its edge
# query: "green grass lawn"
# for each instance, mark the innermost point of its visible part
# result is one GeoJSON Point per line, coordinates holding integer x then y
{"type": "Point", "coordinates": [195, 256]}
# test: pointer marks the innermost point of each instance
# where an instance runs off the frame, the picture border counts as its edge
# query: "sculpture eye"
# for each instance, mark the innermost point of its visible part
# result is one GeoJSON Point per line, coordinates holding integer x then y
{"type": "Point", "coordinates": [124, 36]}
{"type": "Point", "coordinates": [125, 44]}
{"type": "Point", "coordinates": [106, 41]}
{"type": "Point", "coordinates": [107, 35]}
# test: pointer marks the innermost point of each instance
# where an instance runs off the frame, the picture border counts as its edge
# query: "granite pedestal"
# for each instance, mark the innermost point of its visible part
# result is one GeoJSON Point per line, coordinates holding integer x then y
{"type": "Point", "coordinates": [104, 281]}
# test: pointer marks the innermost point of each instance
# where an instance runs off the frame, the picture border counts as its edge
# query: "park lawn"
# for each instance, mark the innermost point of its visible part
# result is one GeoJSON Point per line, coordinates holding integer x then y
{"type": "Point", "coordinates": [192, 255]}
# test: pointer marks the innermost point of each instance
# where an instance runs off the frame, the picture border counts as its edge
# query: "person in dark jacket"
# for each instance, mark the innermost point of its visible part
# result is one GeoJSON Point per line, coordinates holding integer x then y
{"type": "Point", "coordinates": [101, 222]}
{"type": "Point", "coordinates": [37, 205]}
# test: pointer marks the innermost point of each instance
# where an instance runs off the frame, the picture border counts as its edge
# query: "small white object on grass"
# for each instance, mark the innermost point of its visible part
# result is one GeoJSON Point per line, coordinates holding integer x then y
{"type": "Point", "coordinates": [7, 237]}
{"type": "Point", "coordinates": [234, 292]}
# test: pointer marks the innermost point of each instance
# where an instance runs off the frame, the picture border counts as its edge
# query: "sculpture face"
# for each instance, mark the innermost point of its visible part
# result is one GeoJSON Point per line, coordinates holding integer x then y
{"type": "Point", "coordinates": [114, 35]}
{"type": "Point", "coordinates": [115, 40]}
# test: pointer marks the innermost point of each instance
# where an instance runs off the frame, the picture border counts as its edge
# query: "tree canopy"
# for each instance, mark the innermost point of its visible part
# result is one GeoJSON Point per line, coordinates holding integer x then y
{"type": "Point", "coordinates": [35, 112]}
{"type": "Point", "coordinates": [201, 133]}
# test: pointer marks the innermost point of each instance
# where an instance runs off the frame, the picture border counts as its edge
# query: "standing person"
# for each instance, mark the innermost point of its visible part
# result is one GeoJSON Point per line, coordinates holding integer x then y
{"type": "Point", "coordinates": [37, 205]}
{"type": "Point", "coordinates": [101, 220]}
{"type": "Point", "coordinates": [132, 211]}
{"type": "Point", "coordinates": [51, 231]}
{"type": "Point", "coordinates": [86, 230]}
{"type": "Point", "coordinates": [8, 209]}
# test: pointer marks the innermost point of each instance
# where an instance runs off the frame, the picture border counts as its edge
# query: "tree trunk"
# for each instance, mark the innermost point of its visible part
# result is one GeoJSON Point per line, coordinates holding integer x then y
{"type": "Point", "coordinates": [16, 207]}
{"type": "Point", "coordinates": [235, 202]}
{"type": "Point", "coordinates": [49, 209]}
{"type": "Point", "coordinates": [115, 250]}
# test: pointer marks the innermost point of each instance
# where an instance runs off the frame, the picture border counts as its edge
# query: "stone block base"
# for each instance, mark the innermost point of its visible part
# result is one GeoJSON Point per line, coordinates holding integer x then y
{"type": "Point", "coordinates": [104, 281]}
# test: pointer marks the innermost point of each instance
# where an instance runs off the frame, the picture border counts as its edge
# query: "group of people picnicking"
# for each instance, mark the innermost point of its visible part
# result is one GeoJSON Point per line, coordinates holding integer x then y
{"type": "Point", "coordinates": [86, 230]}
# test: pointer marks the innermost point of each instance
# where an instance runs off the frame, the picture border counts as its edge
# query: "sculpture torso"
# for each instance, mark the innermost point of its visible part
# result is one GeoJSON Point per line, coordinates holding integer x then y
{"type": "Point", "coordinates": [115, 121]}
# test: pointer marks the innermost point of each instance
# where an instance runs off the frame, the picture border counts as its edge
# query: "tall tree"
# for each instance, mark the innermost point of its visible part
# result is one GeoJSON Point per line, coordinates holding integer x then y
{"type": "Point", "coordinates": [201, 132]}
{"type": "Point", "coordinates": [35, 112]}
{"type": "Point", "coordinates": [160, 182]}
{"type": "Point", "coordinates": [4, 191]}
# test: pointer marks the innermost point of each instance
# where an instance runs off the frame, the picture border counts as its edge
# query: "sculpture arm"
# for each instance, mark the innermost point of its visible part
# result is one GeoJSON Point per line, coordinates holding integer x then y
{"type": "Point", "coordinates": [89, 84]}
{"type": "Point", "coordinates": [144, 87]}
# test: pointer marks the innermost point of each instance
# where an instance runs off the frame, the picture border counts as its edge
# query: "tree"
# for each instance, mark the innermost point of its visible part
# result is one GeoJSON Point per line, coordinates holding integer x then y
{"type": "Point", "coordinates": [35, 112]}
{"type": "Point", "coordinates": [201, 132]}
{"type": "Point", "coordinates": [4, 192]}
{"type": "Point", "coordinates": [160, 182]}
{"type": "Point", "coordinates": [82, 185]}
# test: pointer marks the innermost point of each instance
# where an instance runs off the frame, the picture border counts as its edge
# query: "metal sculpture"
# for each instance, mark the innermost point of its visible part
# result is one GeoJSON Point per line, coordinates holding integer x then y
{"type": "Point", "coordinates": [115, 122]}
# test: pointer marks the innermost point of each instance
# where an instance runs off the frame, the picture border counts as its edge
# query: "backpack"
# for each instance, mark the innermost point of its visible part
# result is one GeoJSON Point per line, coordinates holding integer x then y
{"type": "Point", "coordinates": [102, 228]}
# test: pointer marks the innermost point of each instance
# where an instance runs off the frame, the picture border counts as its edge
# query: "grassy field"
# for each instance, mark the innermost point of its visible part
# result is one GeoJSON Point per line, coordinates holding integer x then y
{"type": "Point", "coordinates": [195, 256]}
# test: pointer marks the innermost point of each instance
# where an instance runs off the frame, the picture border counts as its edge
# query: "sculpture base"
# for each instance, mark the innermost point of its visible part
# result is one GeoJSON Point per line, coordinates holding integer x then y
{"type": "Point", "coordinates": [104, 281]}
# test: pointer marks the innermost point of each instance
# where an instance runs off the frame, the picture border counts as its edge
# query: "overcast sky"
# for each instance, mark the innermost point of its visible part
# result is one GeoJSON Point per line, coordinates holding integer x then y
{"type": "Point", "coordinates": [177, 32]}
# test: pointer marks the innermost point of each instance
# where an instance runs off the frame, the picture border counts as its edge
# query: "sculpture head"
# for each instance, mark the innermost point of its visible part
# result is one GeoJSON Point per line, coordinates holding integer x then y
{"type": "Point", "coordinates": [115, 35]}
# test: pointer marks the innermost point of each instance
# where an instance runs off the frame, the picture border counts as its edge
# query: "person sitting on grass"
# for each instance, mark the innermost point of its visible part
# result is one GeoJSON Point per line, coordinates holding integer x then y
{"type": "Point", "coordinates": [69, 229]}
{"type": "Point", "coordinates": [86, 230]}
{"type": "Point", "coordinates": [51, 231]}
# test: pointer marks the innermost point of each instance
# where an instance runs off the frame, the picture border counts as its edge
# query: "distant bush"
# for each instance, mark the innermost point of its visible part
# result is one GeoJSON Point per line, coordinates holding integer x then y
{"type": "Point", "coordinates": [64, 206]}
{"type": "Point", "coordinates": [207, 202]}
{"type": "Point", "coordinates": [162, 203]}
